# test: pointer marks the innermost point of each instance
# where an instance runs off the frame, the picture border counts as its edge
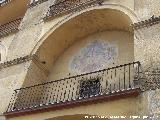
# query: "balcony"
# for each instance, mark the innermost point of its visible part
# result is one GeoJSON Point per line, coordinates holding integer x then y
{"type": "Point", "coordinates": [66, 6]}
{"type": "Point", "coordinates": [10, 27]}
{"type": "Point", "coordinates": [103, 85]}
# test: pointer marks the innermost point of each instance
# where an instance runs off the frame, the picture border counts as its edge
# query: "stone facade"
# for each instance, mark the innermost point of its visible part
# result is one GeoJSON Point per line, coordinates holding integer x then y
{"type": "Point", "coordinates": [55, 43]}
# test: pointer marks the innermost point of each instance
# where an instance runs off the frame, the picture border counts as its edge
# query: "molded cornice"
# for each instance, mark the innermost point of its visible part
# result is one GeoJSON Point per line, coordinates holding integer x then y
{"type": "Point", "coordinates": [16, 61]}
{"type": "Point", "coordinates": [36, 3]}
{"type": "Point", "coordinates": [5, 2]}
{"type": "Point", "coordinates": [146, 23]}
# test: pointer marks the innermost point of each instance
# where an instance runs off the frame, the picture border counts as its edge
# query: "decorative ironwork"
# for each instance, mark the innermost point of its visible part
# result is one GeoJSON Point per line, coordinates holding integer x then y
{"type": "Point", "coordinates": [98, 83]}
{"type": "Point", "coordinates": [36, 2]}
{"type": "Point", "coordinates": [90, 87]}
{"type": "Point", "coordinates": [146, 23]}
{"type": "Point", "coordinates": [3, 2]}
{"type": "Point", "coordinates": [10, 27]}
{"type": "Point", "coordinates": [67, 6]}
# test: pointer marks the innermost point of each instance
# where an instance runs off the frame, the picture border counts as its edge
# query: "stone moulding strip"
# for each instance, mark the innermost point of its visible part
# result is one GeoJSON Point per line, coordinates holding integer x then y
{"type": "Point", "coordinates": [146, 23]}
{"type": "Point", "coordinates": [66, 7]}
{"type": "Point", "coordinates": [10, 27]}
{"type": "Point", "coordinates": [5, 2]}
{"type": "Point", "coordinates": [74, 103]}
{"type": "Point", "coordinates": [36, 3]}
{"type": "Point", "coordinates": [16, 61]}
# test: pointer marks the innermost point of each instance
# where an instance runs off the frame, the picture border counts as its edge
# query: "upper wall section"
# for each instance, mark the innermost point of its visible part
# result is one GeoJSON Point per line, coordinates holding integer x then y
{"type": "Point", "coordinates": [33, 29]}
{"type": "Point", "coordinates": [12, 10]}
{"type": "Point", "coordinates": [147, 8]}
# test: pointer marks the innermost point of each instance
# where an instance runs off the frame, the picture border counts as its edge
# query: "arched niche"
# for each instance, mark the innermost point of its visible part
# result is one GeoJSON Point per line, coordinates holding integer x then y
{"type": "Point", "coordinates": [93, 23]}
{"type": "Point", "coordinates": [78, 28]}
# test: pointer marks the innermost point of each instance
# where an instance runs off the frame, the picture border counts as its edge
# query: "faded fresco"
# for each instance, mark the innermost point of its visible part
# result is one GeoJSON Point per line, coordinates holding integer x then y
{"type": "Point", "coordinates": [96, 55]}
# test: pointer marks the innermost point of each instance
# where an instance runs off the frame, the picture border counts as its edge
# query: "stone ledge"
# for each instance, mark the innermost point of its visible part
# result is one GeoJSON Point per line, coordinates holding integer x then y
{"type": "Point", "coordinates": [66, 7]}
{"type": "Point", "coordinates": [36, 3]}
{"type": "Point", "coordinates": [10, 27]}
{"type": "Point", "coordinates": [5, 2]}
{"type": "Point", "coordinates": [16, 61]}
{"type": "Point", "coordinates": [146, 23]}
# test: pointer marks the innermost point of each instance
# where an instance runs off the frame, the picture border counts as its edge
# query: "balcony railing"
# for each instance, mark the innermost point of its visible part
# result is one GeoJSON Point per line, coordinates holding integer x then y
{"type": "Point", "coordinates": [3, 2]}
{"type": "Point", "coordinates": [106, 82]}
{"type": "Point", "coordinates": [66, 6]}
{"type": "Point", "coordinates": [10, 27]}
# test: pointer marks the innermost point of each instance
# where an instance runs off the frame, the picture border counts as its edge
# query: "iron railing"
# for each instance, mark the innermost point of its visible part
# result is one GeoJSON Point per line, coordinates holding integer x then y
{"type": "Point", "coordinates": [65, 6]}
{"type": "Point", "coordinates": [103, 82]}
{"type": "Point", "coordinates": [10, 27]}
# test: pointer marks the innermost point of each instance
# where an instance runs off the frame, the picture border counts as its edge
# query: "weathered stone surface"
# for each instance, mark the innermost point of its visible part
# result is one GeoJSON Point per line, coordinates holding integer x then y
{"type": "Point", "coordinates": [32, 31]}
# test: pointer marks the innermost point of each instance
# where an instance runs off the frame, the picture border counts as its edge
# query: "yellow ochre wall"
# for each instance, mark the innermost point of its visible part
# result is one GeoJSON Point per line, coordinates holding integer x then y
{"type": "Point", "coordinates": [121, 41]}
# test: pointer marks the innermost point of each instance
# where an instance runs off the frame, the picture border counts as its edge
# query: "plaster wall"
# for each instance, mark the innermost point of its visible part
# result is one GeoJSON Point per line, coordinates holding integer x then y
{"type": "Point", "coordinates": [32, 29]}
{"type": "Point", "coordinates": [6, 41]}
{"type": "Point", "coordinates": [147, 46]}
{"type": "Point", "coordinates": [122, 52]}
{"type": "Point", "coordinates": [147, 8]}
{"type": "Point", "coordinates": [11, 78]}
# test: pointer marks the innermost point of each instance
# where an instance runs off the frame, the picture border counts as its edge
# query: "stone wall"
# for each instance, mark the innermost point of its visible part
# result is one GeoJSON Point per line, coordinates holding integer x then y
{"type": "Point", "coordinates": [33, 28]}
{"type": "Point", "coordinates": [11, 78]}
{"type": "Point", "coordinates": [146, 8]}
{"type": "Point", "coordinates": [147, 46]}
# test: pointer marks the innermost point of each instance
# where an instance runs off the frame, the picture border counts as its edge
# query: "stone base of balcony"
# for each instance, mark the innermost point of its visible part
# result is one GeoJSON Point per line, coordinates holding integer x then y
{"type": "Point", "coordinates": [74, 103]}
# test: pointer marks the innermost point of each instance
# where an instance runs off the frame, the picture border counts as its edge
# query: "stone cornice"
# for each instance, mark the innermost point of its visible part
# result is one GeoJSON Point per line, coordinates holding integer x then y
{"type": "Point", "coordinates": [10, 27]}
{"type": "Point", "coordinates": [16, 61]}
{"type": "Point", "coordinates": [65, 7]}
{"type": "Point", "coordinates": [36, 3]}
{"type": "Point", "coordinates": [5, 2]}
{"type": "Point", "coordinates": [146, 23]}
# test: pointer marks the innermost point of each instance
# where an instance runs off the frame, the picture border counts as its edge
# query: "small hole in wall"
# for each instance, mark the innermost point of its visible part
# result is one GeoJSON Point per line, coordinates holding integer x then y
{"type": "Point", "coordinates": [44, 62]}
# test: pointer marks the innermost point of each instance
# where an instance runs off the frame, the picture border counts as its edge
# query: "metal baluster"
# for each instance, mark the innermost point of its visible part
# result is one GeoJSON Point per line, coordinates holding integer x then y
{"type": "Point", "coordinates": [47, 93]}
{"type": "Point", "coordinates": [129, 76]}
{"type": "Point", "coordinates": [54, 95]}
{"type": "Point", "coordinates": [115, 75]}
{"type": "Point", "coordinates": [78, 89]}
{"type": "Point", "coordinates": [111, 74]}
{"type": "Point", "coordinates": [124, 77]}
{"type": "Point", "coordinates": [62, 93]}
{"type": "Point", "coordinates": [58, 99]}
{"type": "Point", "coordinates": [15, 97]}
{"type": "Point", "coordinates": [110, 88]}
{"type": "Point", "coordinates": [11, 103]}
{"type": "Point", "coordinates": [119, 83]}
